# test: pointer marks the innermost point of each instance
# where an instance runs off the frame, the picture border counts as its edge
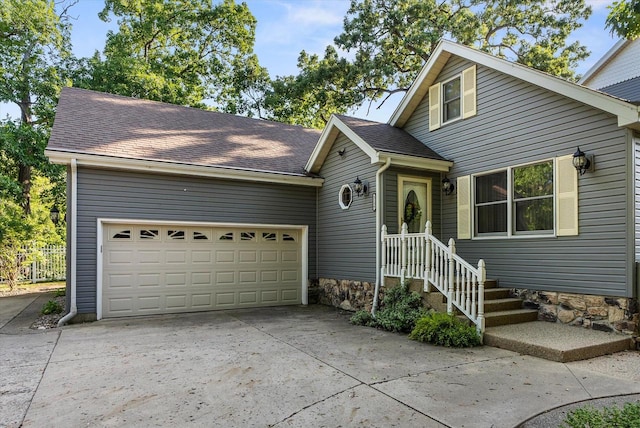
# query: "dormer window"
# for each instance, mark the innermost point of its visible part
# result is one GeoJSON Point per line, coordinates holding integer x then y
{"type": "Point", "coordinates": [453, 99]}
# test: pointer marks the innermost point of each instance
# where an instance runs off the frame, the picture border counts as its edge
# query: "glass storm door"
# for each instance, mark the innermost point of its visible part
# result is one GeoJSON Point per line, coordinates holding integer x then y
{"type": "Point", "coordinates": [414, 207]}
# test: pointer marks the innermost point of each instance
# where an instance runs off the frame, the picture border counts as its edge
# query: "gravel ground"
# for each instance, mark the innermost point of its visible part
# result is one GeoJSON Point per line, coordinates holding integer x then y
{"type": "Point", "coordinates": [43, 322]}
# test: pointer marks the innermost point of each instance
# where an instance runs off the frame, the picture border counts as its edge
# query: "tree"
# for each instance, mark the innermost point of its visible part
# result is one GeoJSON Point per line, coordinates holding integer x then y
{"type": "Point", "coordinates": [177, 51]}
{"type": "Point", "coordinates": [624, 19]}
{"type": "Point", "coordinates": [388, 41]}
{"type": "Point", "coordinates": [34, 48]}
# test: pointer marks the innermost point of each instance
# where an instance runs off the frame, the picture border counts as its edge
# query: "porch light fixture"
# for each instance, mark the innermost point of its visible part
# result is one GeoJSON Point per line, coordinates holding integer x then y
{"type": "Point", "coordinates": [581, 162]}
{"type": "Point", "coordinates": [54, 214]}
{"type": "Point", "coordinates": [447, 186]}
{"type": "Point", "coordinates": [360, 187]}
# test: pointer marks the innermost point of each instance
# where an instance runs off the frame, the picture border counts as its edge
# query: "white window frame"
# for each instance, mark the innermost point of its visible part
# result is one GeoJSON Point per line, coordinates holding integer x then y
{"type": "Point", "coordinates": [511, 234]}
{"type": "Point", "coordinates": [342, 204]}
{"type": "Point", "coordinates": [460, 98]}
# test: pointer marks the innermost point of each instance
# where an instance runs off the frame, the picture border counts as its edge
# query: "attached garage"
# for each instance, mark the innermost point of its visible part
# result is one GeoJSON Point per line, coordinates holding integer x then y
{"type": "Point", "coordinates": [150, 268]}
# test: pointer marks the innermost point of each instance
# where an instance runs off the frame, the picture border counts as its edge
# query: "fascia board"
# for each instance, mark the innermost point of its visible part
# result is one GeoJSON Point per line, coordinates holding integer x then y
{"type": "Point", "coordinates": [414, 162]}
{"type": "Point", "coordinates": [99, 161]}
{"type": "Point", "coordinates": [328, 137]}
{"type": "Point", "coordinates": [420, 85]}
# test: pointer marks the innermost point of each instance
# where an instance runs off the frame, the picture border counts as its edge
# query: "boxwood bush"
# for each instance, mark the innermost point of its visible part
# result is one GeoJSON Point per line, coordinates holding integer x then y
{"type": "Point", "coordinates": [588, 416]}
{"type": "Point", "coordinates": [445, 330]}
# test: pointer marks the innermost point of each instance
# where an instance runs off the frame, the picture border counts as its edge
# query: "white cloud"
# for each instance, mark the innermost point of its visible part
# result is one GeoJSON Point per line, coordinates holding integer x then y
{"type": "Point", "coordinates": [598, 4]}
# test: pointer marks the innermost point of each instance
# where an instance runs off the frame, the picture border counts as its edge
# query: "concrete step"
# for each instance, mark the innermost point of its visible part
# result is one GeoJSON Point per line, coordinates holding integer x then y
{"type": "Point", "coordinates": [502, 304]}
{"type": "Point", "coordinates": [513, 316]}
{"type": "Point", "coordinates": [554, 341]}
{"type": "Point", "coordinates": [496, 293]}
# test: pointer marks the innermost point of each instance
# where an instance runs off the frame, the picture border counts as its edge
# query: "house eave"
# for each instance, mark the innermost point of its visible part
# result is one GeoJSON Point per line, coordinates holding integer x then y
{"type": "Point", "coordinates": [409, 161]}
{"type": "Point", "coordinates": [64, 157]}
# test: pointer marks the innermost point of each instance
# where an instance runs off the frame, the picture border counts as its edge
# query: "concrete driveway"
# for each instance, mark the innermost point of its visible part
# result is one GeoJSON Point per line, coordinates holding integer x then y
{"type": "Point", "coordinates": [283, 367]}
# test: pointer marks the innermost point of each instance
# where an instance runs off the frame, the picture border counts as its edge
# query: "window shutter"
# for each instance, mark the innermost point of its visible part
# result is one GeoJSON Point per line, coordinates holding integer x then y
{"type": "Point", "coordinates": [566, 197]}
{"type": "Point", "coordinates": [434, 107]}
{"type": "Point", "coordinates": [469, 107]}
{"type": "Point", "coordinates": [463, 187]}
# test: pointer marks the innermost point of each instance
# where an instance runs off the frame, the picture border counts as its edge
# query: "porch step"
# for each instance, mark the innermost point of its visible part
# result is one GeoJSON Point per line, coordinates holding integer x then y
{"type": "Point", "coordinates": [554, 341]}
{"type": "Point", "coordinates": [502, 304]}
{"type": "Point", "coordinates": [513, 316]}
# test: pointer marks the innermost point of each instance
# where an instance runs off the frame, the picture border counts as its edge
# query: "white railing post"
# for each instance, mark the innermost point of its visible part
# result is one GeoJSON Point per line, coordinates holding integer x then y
{"type": "Point", "coordinates": [383, 262]}
{"type": "Point", "coordinates": [451, 251]}
{"type": "Point", "coordinates": [427, 256]}
{"type": "Point", "coordinates": [482, 277]}
{"type": "Point", "coordinates": [403, 252]}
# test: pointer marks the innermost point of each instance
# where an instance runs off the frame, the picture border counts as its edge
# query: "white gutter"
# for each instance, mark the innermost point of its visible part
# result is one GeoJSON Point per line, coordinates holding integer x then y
{"type": "Point", "coordinates": [74, 244]}
{"type": "Point", "coordinates": [379, 193]}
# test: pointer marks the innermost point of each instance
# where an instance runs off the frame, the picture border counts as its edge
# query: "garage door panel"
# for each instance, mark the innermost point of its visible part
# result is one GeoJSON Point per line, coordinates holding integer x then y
{"type": "Point", "coordinates": [169, 269]}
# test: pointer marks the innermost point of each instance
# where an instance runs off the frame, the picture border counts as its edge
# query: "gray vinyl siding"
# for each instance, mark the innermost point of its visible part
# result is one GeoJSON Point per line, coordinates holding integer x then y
{"type": "Point", "coordinates": [346, 238]}
{"type": "Point", "coordinates": [518, 123]}
{"type": "Point", "coordinates": [139, 196]}
{"type": "Point", "coordinates": [390, 204]}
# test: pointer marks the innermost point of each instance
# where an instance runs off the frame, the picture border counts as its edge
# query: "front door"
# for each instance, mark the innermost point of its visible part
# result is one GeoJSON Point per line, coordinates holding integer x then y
{"type": "Point", "coordinates": [414, 207]}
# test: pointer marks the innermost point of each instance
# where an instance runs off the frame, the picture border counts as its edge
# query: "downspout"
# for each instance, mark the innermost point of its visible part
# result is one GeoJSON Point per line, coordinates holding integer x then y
{"type": "Point", "coordinates": [74, 214]}
{"type": "Point", "coordinates": [379, 193]}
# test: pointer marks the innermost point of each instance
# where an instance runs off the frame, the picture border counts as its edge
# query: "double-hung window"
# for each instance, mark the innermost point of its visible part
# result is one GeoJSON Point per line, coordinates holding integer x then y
{"type": "Point", "coordinates": [451, 100]}
{"type": "Point", "coordinates": [515, 201]}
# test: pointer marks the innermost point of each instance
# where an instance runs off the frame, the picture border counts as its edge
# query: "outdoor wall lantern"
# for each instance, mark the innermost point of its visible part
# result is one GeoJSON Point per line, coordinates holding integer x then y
{"type": "Point", "coordinates": [581, 162]}
{"type": "Point", "coordinates": [447, 186]}
{"type": "Point", "coordinates": [54, 214]}
{"type": "Point", "coordinates": [360, 187]}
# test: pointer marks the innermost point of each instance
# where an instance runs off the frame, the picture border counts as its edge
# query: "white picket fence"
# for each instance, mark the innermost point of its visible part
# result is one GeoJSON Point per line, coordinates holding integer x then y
{"type": "Point", "coordinates": [47, 263]}
{"type": "Point", "coordinates": [423, 256]}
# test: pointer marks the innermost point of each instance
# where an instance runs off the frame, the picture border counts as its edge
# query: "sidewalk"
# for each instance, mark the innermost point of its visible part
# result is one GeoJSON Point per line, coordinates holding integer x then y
{"type": "Point", "coordinates": [283, 367]}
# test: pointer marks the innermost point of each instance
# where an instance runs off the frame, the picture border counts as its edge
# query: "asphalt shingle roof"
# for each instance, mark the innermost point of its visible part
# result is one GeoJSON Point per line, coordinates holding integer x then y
{"type": "Point", "coordinates": [387, 138]}
{"type": "Point", "coordinates": [96, 123]}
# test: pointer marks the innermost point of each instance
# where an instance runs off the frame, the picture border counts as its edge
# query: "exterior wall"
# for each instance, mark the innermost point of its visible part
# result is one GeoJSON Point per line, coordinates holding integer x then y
{"type": "Point", "coordinates": [131, 195]}
{"type": "Point", "coordinates": [520, 123]}
{"type": "Point", "coordinates": [625, 65]}
{"type": "Point", "coordinates": [346, 238]}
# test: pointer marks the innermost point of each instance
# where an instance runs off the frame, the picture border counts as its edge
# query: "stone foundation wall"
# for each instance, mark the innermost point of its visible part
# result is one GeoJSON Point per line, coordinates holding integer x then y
{"type": "Point", "coordinates": [345, 294]}
{"type": "Point", "coordinates": [612, 314]}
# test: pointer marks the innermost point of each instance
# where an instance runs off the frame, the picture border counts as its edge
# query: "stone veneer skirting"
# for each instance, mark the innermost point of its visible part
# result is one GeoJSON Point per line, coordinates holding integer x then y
{"type": "Point", "coordinates": [613, 314]}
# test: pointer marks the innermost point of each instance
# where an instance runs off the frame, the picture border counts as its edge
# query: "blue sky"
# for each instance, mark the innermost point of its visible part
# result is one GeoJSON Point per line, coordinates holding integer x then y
{"type": "Point", "coordinates": [285, 27]}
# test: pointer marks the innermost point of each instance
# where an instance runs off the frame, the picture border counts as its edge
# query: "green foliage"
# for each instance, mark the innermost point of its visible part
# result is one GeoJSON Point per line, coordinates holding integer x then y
{"type": "Point", "coordinates": [18, 229]}
{"type": "Point", "coordinates": [34, 53]}
{"type": "Point", "coordinates": [401, 309]}
{"type": "Point", "coordinates": [180, 52]}
{"type": "Point", "coordinates": [624, 19]}
{"type": "Point", "coordinates": [60, 292]}
{"type": "Point", "coordinates": [51, 307]}
{"type": "Point", "coordinates": [587, 416]}
{"type": "Point", "coordinates": [388, 41]}
{"type": "Point", "coordinates": [363, 318]}
{"type": "Point", "coordinates": [445, 330]}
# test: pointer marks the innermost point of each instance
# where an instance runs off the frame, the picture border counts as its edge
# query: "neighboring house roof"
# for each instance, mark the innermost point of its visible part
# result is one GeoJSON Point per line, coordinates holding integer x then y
{"type": "Point", "coordinates": [128, 133]}
{"type": "Point", "coordinates": [628, 114]}
{"type": "Point", "coordinates": [379, 141]}
{"type": "Point", "coordinates": [620, 63]}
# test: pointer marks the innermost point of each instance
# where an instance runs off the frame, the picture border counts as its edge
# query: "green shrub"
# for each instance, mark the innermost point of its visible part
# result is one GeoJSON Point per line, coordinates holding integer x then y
{"type": "Point", "coordinates": [401, 309]}
{"type": "Point", "coordinates": [51, 307]}
{"type": "Point", "coordinates": [445, 330]}
{"type": "Point", "coordinates": [363, 318]}
{"type": "Point", "coordinates": [587, 416]}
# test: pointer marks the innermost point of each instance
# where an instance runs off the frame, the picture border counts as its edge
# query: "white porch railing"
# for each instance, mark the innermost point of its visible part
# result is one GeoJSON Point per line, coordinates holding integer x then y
{"type": "Point", "coordinates": [423, 256]}
{"type": "Point", "coordinates": [42, 264]}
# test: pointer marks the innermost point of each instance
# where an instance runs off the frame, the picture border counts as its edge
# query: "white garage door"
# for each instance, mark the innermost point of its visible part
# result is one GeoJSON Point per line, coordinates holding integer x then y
{"type": "Point", "coordinates": [166, 269]}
